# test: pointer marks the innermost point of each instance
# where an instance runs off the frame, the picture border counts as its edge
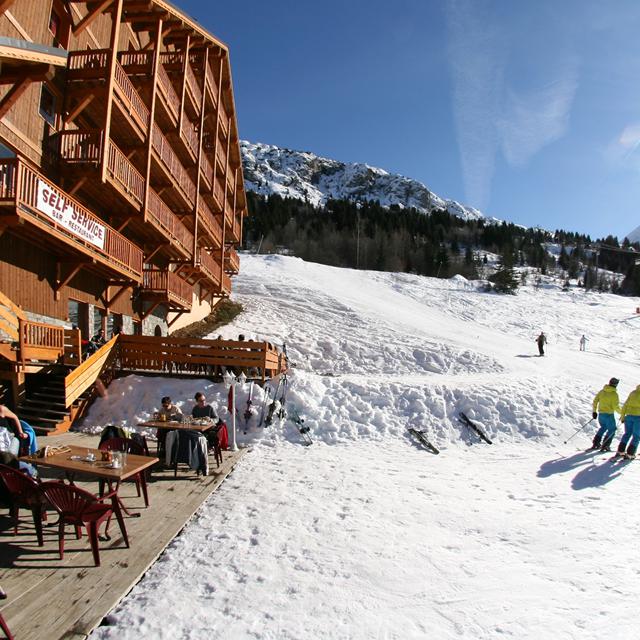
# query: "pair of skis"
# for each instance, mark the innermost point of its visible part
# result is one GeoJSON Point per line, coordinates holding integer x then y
{"type": "Point", "coordinates": [473, 427]}
{"type": "Point", "coordinates": [421, 437]}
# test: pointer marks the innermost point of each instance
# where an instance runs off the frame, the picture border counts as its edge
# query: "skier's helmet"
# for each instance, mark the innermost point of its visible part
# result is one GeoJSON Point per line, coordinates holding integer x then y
{"type": "Point", "coordinates": [614, 382]}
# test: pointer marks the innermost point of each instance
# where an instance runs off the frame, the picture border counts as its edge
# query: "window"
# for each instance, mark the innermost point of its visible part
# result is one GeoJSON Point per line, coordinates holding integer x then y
{"type": "Point", "coordinates": [48, 105]}
{"type": "Point", "coordinates": [59, 24]}
{"type": "Point", "coordinates": [54, 23]}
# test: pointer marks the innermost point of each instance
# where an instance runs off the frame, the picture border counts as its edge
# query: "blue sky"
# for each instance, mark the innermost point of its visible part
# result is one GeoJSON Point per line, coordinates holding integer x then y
{"type": "Point", "coordinates": [529, 111]}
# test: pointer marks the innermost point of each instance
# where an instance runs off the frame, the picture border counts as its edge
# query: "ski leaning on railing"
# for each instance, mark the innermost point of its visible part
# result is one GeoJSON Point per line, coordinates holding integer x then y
{"type": "Point", "coordinates": [472, 426]}
{"type": "Point", "coordinates": [422, 438]}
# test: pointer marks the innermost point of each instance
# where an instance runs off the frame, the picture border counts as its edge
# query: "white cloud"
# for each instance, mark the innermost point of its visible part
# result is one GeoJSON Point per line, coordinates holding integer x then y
{"type": "Point", "coordinates": [535, 118]}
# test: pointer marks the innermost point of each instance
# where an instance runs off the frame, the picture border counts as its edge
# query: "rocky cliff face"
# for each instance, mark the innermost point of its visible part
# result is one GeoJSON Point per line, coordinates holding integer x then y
{"type": "Point", "coordinates": [297, 174]}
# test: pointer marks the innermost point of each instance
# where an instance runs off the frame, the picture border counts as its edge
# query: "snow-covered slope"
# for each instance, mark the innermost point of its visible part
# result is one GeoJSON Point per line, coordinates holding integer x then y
{"type": "Point", "coordinates": [297, 174]}
{"type": "Point", "coordinates": [364, 534]}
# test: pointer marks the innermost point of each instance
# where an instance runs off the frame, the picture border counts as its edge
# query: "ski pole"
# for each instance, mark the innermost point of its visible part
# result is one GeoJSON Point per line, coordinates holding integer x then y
{"type": "Point", "coordinates": [579, 430]}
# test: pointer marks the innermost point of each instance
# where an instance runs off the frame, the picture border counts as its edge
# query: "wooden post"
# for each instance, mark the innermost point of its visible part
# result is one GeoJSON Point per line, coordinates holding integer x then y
{"type": "Point", "coordinates": [199, 158]}
{"type": "Point", "coordinates": [184, 83]}
{"type": "Point", "coordinates": [152, 115]}
{"type": "Point", "coordinates": [111, 68]}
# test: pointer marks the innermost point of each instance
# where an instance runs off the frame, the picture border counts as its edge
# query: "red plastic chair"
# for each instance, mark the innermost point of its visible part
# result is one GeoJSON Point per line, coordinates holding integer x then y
{"type": "Point", "coordinates": [127, 445]}
{"type": "Point", "coordinates": [3, 624]}
{"type": "Point", "coordinates": [25, 493]}
{"type": "Point", "coordinates": [79, 507]}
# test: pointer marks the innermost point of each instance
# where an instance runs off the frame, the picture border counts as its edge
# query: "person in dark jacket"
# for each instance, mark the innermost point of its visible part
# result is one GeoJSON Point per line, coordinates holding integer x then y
{"type": "Point", "coordinates": [541, 340]}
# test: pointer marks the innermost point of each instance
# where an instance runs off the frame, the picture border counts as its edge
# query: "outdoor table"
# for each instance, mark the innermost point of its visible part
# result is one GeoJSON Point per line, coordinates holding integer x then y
{"type": "Point", "coordinates": [182, 426]}
{"type": "Point", "coordinates": [72, 459]}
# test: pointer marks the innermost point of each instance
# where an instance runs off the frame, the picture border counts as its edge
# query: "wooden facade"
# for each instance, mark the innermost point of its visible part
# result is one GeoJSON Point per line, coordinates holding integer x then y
{"type": "Point", "coordinates": [121, 184]}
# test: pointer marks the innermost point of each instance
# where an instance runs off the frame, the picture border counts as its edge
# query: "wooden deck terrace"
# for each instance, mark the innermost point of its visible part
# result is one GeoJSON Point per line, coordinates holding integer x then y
{"type": "Point", "coordinates": [52, 598]}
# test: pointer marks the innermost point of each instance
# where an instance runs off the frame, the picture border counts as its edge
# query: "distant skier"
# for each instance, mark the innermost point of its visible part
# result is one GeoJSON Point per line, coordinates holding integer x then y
{"type": "Point", "coordinates": [608, 403]}
{"type": "Point", "coordinates": [630, 415]}
{"type": "Point", "coordinates": [541, 340]}
{"type": "Point", "coordinates": [583, 342]}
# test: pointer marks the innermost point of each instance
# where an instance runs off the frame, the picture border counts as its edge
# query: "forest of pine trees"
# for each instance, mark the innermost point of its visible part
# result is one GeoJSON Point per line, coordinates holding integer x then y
{"type": "Point", "coordinates": [366, 235]}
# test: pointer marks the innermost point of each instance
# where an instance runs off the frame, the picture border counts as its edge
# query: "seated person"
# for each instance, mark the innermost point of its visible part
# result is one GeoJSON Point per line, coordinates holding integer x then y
{"type": "Point", "coordinates": [20, 429]}
{"type": "Point", "coordinates": [203, 410]}
{"type": "Point", "coordinates": [169, 410]}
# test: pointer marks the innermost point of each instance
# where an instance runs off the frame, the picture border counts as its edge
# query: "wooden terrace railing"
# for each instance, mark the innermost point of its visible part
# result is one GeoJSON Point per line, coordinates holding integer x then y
{"type": "Point", "coordinates": [169, 286]}
{"type": "Point", "coordinates": [92, 65]}
{"type": "Point", "coordinates": [40, 341]}
{"type": "Point", "coordinates": [193, 87]}
{"type": "Point", "coordinates": [124, 174]}
{"type": "Point", "coordinates": [210, 268]}
{"type": "Point", "coordinates": [165, 220]}
{"type": "Point", "coordinates": [168, 93]}
{"type": "Point", "coordinates": [82, 146]}
{"type": "Point", "coordinates": [210, 84]}
{"type": "Point", "coordinates": [189, 133]}
{"type": "Point", "coordinates": [98, 365]}
{"type": "Point", "coordinates": [226, 285]}
{"type": "Point", "coordinates": [207, 170]}
{"type": "Point", "coordinates": [212, 226]}
{"type": "Point", "coordinates": [231, 261]}
{"type": "Point", "coordinates": [168, 156]}
{"type": "Point", "coordinates": [19, 187]}
{"type": "Point", "coordinates": [228, 215]}
{"type": "Point", "coordinates": [224, 121]}
{"type": "Point", "coordinates": [218, 193]}
{"type": "Point", "coordinates": [259, 360]}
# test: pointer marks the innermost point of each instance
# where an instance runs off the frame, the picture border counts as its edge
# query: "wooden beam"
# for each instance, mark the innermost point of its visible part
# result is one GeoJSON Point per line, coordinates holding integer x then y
{"type": "Point", "coordinates": [152, 114]}
{"type": "Point", "coordinates": [178, 315]}
{"type": "Point", "coordinates": [35, 72]}
{"type": "Point", "coordinates": [79, 108]}
{"type": "Point", "coordinates": [13, 95]}
{"type": "Point", "coordinates": [124, 224]}
{"type": "Point", "coordinates": [78, 185]}
{"type": "Point", "coordinates": [61, 280]}
{"type": "Point", "coordinates": [91, 16]}
{"type": "Point", "coordinates": [111, 64]}
{"type": "Point", "coordinates": [149, 311]}
{"type": "Point", "coordinates": [149, 257]}
{"type": "Point", "coordinates": [109, 302]}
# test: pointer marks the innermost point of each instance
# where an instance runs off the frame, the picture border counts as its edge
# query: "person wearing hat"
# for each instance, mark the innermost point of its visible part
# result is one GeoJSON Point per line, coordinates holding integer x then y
{"type": "Point", "coordinates": [630, 415]}
{"type": "Point", "coordinates": [608, 403]}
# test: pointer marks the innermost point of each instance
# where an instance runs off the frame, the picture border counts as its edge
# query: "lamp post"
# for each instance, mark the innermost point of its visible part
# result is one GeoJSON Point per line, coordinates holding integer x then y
{"type": "Point", "coordinates": [229, 380]}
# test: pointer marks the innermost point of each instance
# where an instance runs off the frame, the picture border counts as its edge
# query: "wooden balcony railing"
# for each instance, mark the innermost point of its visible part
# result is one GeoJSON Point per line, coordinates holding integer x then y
{"type": "Point", "coordinates": [167, 155]}
{"type": "Point", "coordinates": [136, 61]}
{"type": "Point", "coordinates": [189, 134]}
{"type": "Point", "coordinates": [131, 98]}
{"type": "Point", "coordinates": [210, 223]}
{"type": "Point", "coordinates": [92, 65]}
{"type": "Point", "coordinates": [228, 214]}
{"type": "Point", "coordinates": [168, 93]}
{"type": "Point", "coordinates": [39, 201]}
{"type": "Point", "coordinates": [40, 341]}
{"type": "Point", "coordinates": [210, 84]}
{"type": "Point", "coordinates": [221, 159]}
{"type": "Point", "coordinates": [208, 266]}
{"type": "Point", "coordinates": [207, 170]}
{"type": "Point", "coordinates": [225, 288]}
{"type": "Point", "coordinates": [124, 174]}
{"type": "Point", "coordinates": [231, 180]}
{"type": "Point", "coordinates": [174, 61]}
{"type": "Point", "coordinates": [81, 146]}
{"type": "Point", "coordinates": [218, 194]}
{"type": "Point", "coordinates": [167, 221]}
{"type": "Point", "coordinates": [193, 87]}
{"type": "Point", "coordinates": [231, 261]}
{"type": "Point", "coordinates": [168, 286]}
{"type": "Point", "coordinates": [224, 121]}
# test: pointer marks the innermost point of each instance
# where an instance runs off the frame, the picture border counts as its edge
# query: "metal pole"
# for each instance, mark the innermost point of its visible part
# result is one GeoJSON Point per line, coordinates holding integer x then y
{"type": "Point", "coordinates": [232, 391]}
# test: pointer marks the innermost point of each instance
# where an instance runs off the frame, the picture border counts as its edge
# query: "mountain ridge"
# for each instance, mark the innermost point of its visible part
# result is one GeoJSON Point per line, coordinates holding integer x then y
{"type": "Point", "coordinates": [269, 169]}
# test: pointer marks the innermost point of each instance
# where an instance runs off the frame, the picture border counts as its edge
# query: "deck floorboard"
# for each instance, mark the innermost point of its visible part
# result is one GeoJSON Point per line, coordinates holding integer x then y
{"type": "Point", "coordinates": [53, 598]}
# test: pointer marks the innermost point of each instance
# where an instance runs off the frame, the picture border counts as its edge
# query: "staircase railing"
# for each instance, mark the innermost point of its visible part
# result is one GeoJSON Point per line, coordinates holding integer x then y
{"type": "Point", "coordinates": [40, 341]}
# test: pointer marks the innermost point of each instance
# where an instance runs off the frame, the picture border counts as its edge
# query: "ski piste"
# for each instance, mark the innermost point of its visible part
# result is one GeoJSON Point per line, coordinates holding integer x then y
{"type": "Point", "coordinates": [464, 419]}
{"type": "Point", "coordinates": [294, 416]}
{"type": "Point", "coordinates": [420, 435]}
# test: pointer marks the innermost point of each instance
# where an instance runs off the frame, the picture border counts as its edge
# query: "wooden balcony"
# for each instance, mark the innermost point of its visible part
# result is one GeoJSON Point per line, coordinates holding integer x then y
{"type": "Point", "coordinates": [62, 224]}
{"type": "Point", "coordinates": [231, 261]}
{"type": "Point", "coordinates": [86, 68]}
{"type": "Point", "coordinates": [225, 288]}
{"type": "Point", "coordinates": [173, 62]}
{"type": "Point", "coordinates": [208, 267]}
{"type": "Point", "coordinates": [169, 225]}
{"type": "Point", "coordinates": [218, 195]}
{"type": "Point", "coordinates": [206, 169]}
{"type": "Point", "coordinates": [175, 173]}
{"type": "Point", "coordinates": [166, 287]}
{"type": "Point", "coordinates": [210, 225]}
{"type": "Point", "coordinates": [211, 86]}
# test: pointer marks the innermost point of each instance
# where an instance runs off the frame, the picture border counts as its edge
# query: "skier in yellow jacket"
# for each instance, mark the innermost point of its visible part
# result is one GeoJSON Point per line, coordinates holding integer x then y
{"type": "Point", "coordinates": [630, 415]}
{"type": "Point", "coordinates": [607, 402]}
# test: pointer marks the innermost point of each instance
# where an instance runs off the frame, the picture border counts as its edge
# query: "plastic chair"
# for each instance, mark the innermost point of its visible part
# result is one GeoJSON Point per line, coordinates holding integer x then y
{"type": "Point", "coordinates": [127, 445]}
{"type": "Point", "coordinates": [79, 507]}
{"type": "Point", "coordinates": [25, 493]}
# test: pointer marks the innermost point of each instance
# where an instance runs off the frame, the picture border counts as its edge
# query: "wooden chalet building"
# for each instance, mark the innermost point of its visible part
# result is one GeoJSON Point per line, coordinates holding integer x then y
{"type": "Point", "coordinates": [121, 189]}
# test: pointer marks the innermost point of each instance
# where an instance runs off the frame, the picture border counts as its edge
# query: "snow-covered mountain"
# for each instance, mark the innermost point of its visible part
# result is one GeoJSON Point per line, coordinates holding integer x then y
{"type": "Point", "coordinates": [299, 174]}
{"type": "Point", "coordinates": [634, 236]}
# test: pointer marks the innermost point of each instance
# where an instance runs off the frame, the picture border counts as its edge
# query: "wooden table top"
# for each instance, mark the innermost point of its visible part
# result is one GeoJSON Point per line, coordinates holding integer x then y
{"type": "Point", "coordinates": [191, 426]}
{"type": "Point", "coordinates": [72, 459]}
